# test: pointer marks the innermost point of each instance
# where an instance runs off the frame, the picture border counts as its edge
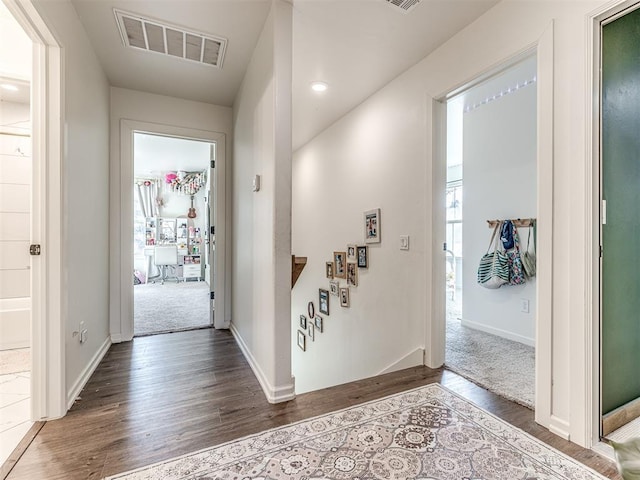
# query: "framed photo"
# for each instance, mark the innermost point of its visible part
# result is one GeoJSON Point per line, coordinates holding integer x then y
{"type": "Point", "coordinates": [344, 297]}
{"type": "Point", "coordinates": [363, 256]}
{"type": "Point", "coordinates": [303, 322]}
{"type": "Point", "coordinates": [329, 269]}
{"type": "Point", "coordinates": [352, 274]}
{"type": "Point", "coordinates": [340, 264]}
{"type": "Point", "coordinates": [319, 324]}
{"type": "Point", "coordinates": [334, 287]}
{"type": "Point", "coordinates": [312, 332]}
{"type": "Point", "coordinates": [323, 301]}
{"type": "Point", "coordinates": [302, 340]}
{"type": "Point", "coordinates": [372, 226]}
{"type": "Point", "coordinates": [311, 310]}
{"type": "Point", "coordinates": [351, 253]}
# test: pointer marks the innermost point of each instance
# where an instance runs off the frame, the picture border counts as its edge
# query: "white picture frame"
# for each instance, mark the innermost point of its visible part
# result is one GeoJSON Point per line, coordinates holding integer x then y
{"type": "Point", "coordinates": [372, 226]}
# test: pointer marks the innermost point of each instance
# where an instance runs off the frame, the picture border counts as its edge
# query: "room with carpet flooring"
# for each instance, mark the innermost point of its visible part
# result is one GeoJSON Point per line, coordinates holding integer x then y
{"type": "Point", "coordinates": [169, 307]}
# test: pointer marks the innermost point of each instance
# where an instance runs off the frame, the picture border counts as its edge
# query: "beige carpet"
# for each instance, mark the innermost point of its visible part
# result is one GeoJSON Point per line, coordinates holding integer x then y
{"type": "Point", "coordinates": [15, 361]}
{"type": "Point", "coordinates": [170, 307]}
{"type": "Point", "coordinates": [427, 433]}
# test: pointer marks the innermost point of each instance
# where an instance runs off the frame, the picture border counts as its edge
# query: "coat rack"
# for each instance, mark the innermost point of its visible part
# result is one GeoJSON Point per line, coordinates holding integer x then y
{"type": "Point", "coordinates": [518, 222]}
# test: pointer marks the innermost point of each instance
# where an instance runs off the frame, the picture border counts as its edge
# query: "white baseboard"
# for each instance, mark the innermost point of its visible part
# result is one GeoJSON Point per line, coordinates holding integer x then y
{"type": "Point", "coordinates": [559, 427]}
{"type": "Point", "coordinates": [14, 345]}
{"type": "Point", "coordinates": [411, 359]}
{"type": "Point", "coordinates": [499, 332]}
{"type": "Point", "coordinates": [84, 377]}
{"type": "Point", "coordinates": [274, 395]}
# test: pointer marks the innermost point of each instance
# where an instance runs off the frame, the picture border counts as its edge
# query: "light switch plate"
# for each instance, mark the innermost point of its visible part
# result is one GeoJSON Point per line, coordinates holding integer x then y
{"type": "Point", "coordinates": [256, 183]}
{"type": "Point", "coordinates": [404, 242]}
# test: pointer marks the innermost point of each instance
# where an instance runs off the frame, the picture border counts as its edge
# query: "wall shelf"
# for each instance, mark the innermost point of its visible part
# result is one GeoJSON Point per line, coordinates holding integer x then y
{"type": "Point", "coordinates": [297, 265]}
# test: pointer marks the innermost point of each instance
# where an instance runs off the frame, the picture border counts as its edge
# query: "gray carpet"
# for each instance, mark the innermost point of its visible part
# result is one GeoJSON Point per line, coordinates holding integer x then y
{"type": "Point", "coordinates": [170, 307]}
{"type": "Point", "coordinates": [495, 363]}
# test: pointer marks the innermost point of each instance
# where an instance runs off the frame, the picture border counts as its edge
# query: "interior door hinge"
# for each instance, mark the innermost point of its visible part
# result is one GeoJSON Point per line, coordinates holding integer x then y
{"type": "Point", "coordinates": [444, 247]}
{"type": "Point", "coordinates": [213, 164]}
{"type": "Point", "coordinates": [34, 249]}
{"type": "Point", "coordinates": [213, 295]}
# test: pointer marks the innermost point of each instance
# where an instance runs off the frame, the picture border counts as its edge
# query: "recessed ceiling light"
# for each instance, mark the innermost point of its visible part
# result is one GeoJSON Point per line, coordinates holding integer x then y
{"type": "Point", "coordinates": [319, 86]}
{"type": "Point", "coordinates": [10, 87]}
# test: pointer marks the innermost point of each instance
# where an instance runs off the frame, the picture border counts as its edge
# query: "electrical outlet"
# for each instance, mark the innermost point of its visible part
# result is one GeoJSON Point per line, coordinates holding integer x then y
{"type": "Point", "coordinates": [524, 305]}
{"type": "Point", "coordinates": [83, 335]}
{"type": "Point", "coordinates": [404, 242]}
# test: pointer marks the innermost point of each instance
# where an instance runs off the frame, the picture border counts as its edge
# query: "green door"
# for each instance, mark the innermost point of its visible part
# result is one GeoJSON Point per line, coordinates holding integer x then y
{"type": "Point", "coordinates": [621, 191]}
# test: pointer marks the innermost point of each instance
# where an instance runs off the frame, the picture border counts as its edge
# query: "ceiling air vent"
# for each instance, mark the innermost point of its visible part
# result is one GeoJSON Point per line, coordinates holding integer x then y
{"type": "Point", "coordinates": [153, 36]}
{"type": "Point", "coordinates": [404, 5]}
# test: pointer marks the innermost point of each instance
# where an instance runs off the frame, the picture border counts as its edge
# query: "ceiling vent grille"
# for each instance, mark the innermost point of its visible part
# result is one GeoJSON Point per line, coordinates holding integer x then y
{"type": "Point", "coordinates": [153, 36]}
{"type": "Point", "coordinates": [405, 5]}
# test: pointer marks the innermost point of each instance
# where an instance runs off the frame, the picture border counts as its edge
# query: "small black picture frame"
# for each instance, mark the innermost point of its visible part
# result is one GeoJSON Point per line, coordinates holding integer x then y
{"type": "Point", "coordinates": [303, 322]}
{"type": "Point", "coordinates": [363, 256]}
{"type": "Point", "coordinates": [323, 301]}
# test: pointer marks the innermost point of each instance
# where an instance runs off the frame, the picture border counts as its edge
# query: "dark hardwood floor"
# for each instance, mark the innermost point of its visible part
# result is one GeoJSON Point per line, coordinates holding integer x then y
{"type": "Point", "coordinates": [166, 395]}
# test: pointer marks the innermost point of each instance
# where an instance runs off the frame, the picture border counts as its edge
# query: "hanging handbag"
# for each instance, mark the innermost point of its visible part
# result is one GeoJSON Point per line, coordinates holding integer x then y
{"type": "Point", "coordinates": [493, 271]}
{"type": "Point", "coordinates": [516, 269]}
{"type": "Point", "coordinates": [529, 257]}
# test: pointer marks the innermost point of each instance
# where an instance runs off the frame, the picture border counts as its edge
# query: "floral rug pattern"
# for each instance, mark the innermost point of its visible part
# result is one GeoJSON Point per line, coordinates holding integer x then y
{"type": "Point", "coordinates": [427, 433]}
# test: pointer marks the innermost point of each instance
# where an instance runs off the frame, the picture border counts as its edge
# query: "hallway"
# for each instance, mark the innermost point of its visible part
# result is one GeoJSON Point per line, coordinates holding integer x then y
{"type": "Point", "coordinates": [166, 395]}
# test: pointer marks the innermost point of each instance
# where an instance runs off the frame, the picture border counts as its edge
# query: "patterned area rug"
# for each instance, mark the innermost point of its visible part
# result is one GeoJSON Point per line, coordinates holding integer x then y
{"type": "Point", "coordinates": [428, 433]}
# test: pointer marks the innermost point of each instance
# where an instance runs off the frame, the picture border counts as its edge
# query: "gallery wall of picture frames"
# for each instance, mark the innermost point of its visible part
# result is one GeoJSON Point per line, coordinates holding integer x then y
{"type": "Point", "coordinates": [345, 265]}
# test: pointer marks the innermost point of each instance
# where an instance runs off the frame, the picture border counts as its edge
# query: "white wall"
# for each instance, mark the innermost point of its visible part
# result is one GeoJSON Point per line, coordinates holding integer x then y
{"type": "Point", "coordinates": [15, 196]}
{"type": "Point", "coordinates": [162, 114]}
{"type": "Point", "coordinates": [85, 194]}
{"type": "Point", "coordinates": [261, 221]}
{"type": "Point", "coordinates": [390, 137]}
{"type": "Point", "coordinates": [499, 178]}
{"type": "Point", "coordinates": [368, 160]}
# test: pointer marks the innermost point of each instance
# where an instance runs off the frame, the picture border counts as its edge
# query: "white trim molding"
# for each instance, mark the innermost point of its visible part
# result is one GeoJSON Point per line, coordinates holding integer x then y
{"type": "Point", "coordinates": [47, 328]}
{"type": "Point", "coordinates": [545, 161]}
{"type": "Point", "coordinates": [76, 388]}
{"type": "Point", "coordinates": [411, 359]}
{"type": "Point", "coordinates": [498, 332]}
{"type": "Point", "coordinates": [121, 223]}
{"type": "Point", "coordinates": [279, 394]}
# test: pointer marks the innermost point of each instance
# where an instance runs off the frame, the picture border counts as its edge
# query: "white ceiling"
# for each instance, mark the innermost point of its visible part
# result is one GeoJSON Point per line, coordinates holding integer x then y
{"type": "Point", "coordinates": [356, 46]}
{"type": "Point", "coordinates": [155, 155]}
{"type": "Point", "coordinates": [240, 21]}
{"type": "Point", "coordinates": [15, 58]}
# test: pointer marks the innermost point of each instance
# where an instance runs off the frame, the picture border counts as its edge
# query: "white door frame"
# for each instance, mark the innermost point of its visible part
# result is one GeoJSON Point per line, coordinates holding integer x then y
{"type": "Point", "coordinates": [435, 338]}
{"type": "Point", "coordinates": [48, 390]}
{"type": "Point", "coordinates": [121, 312]}
{"type": "Point", "coordinates": [594, 219]}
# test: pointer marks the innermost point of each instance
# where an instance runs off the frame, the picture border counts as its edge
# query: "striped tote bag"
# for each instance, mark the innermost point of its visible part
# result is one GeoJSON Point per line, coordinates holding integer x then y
{"type": "Point", "coordinates": [493, 271]}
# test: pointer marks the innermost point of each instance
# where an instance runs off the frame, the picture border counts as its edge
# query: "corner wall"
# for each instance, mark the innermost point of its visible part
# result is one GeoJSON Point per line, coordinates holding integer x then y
{"type": "Point", "coordinates": [85, 229]}
{"type": "Point", "coordinates": [261, 297]}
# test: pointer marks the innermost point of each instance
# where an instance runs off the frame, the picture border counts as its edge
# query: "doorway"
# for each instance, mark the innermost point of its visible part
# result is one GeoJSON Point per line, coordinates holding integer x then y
{"type": "Point", "coordinates": [173, 188]}
{"type": "Point", "coordinates": [15, 233]}
{"type": "Point", "coordinates": [620, 174]}
{"type": "Point", "coordinates": [491, 178]}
